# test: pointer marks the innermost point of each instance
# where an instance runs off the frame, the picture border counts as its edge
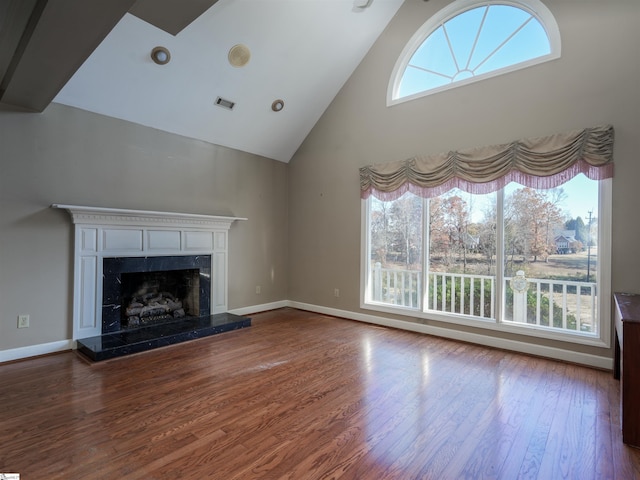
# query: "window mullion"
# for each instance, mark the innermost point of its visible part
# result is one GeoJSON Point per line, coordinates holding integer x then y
{"type": "Point", "coordinates": [499, 293]}
{"type": "Point", "coordinates": [426, 254]}
{"type": "Point", "coordinates": [365, 270]}
{"type": "Point", "coordinates": [475, 40]}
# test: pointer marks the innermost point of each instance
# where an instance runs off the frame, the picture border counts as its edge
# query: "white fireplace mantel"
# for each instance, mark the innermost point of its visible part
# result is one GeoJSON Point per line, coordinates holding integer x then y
{"type": "Point", "coordinates": [113, 232]}
{"type": "Point", "coordinates": [148, 218]}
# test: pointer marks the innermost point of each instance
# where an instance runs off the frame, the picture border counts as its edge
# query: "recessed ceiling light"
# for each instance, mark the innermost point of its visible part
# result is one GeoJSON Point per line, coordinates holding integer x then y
{"type": "Point", "coordinates": [277, 105]}
{"type": "Point", "coordinates": [160, 55]}
{"type": "Point", "coordinates": [239, 55]}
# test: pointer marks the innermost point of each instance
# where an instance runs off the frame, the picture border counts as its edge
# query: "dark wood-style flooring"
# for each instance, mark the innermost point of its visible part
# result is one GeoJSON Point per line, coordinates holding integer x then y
{"type": "Point", "coordinates": [305, 396]}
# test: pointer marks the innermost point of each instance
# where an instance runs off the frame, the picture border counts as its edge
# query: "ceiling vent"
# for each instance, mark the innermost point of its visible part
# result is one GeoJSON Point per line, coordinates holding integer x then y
{"type": "Point", "coordinates": [228, 104]}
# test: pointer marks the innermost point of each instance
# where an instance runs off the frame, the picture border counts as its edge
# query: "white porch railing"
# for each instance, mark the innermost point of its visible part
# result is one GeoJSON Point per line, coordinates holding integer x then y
{"type": "Point", "coordinates": [396, 287]}
{"type": "Point", "coordinates": [462, 293]}
{"type": "Point", "coordinates": [563, 305]}
{"type": "Point", "coordinates": [560, 304]}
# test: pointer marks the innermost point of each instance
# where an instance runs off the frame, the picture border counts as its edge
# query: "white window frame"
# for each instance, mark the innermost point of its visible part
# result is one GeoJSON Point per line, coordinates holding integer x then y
{"type": "Point", "coordinates": [602, 338]}
{"type": "Point", "coordinates": [534, 7]}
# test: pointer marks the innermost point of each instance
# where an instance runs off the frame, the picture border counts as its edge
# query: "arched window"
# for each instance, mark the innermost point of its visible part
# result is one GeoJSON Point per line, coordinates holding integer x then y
{"type": "Point", "coordinates": [471, 40]}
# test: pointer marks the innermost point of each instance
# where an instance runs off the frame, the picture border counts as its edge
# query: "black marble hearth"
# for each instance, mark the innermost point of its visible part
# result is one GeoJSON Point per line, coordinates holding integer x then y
{"type": "Point", "coordinates": [125, 342]}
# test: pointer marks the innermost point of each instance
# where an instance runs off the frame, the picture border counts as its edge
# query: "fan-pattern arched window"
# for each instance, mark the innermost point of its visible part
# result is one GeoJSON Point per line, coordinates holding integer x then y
{"type": "Point", "coordinates": [471, 40]}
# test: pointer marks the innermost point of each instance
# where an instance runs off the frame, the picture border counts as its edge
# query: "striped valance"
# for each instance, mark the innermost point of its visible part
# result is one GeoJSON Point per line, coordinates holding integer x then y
{"type": "Point", "coordinates": [544, 162]}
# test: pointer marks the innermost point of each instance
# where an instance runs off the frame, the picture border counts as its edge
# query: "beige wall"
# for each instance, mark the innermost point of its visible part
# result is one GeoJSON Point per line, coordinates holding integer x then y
{"type": "Point", "coordinates": [70, 156]}
{"type": "Point", "coordinates": [594, 82]}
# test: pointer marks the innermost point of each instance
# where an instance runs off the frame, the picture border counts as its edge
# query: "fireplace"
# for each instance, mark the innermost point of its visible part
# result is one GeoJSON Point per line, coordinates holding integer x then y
{"type": "Point", "coordinates": [116, 246]}
{"type": "Point", "coordinates": [152, 302]}
{"type": "Point", "coordinates": [142, 291]}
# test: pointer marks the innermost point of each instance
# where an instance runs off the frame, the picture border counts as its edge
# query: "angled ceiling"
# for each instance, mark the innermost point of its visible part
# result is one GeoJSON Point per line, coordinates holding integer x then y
{"type": "Point", "coordinates": [43, 43]}
{"type": "Point", "coordinates": [301, 51]}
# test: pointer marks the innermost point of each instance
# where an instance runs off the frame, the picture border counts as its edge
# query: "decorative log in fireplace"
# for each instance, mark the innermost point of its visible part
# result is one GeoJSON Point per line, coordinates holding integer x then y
{"type": "Point", "coordinates": [152, 306]}
{"type": "Point", "coordinates": [156, 297]}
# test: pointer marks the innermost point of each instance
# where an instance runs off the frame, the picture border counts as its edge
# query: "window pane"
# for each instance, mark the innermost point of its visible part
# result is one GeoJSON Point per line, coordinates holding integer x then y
{"type": "Point", "coordinates": [395, 261]}
{"type": "Point", "coordinates": [462, 253]}
{"type": "Point", "coordinates": [414, 81]}
{"type": "Point", "coordinates": [462, 31]}
{"type": "Point", "coordinates": [531, 39]}
{"type": "Point", "coordinates": [550, 241]}
{"type": "Point", "coordinates": [434, 55]}
{"type": "Point", "coordinates": [500, 24]}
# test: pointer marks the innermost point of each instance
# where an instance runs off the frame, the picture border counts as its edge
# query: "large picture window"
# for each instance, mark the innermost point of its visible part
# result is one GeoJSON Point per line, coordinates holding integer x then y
{"type": "Point", "coordinates": [519, 256]}
{"type": "Point", "coordinates": [442, 255]}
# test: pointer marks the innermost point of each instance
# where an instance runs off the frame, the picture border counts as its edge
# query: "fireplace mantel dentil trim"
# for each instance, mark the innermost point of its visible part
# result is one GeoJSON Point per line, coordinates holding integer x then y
{"type": "Point", "coordinates": [113, 232]}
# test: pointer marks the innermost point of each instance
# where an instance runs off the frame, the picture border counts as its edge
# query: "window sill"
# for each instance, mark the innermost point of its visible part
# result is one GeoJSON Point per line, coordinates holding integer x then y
{"type": "Point", "coordinates": [493, 325]}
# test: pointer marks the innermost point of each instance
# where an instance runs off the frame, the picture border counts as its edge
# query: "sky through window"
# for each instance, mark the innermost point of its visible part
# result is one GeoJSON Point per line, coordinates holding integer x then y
{"type": "Point", "coordinates": [471, 44]}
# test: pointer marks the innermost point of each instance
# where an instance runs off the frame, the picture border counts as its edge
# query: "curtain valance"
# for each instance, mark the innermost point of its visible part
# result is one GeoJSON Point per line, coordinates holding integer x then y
{"type": "Point", "coordinates": [544, 162]}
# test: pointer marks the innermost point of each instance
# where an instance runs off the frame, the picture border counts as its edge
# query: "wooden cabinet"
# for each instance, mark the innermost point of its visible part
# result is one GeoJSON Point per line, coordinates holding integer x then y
{"type": "Point", "coordinates": [627, 363]}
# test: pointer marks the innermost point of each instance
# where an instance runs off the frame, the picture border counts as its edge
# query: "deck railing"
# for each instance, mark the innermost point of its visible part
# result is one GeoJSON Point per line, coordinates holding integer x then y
{"type": "Point", "coordinates": [566, 305]}
{"type": "Point", "coordinates": [462, 293]}
{"type": "Point", "coordinates": [559, 304]}
{"type": "Point", "coordinates": [396, 287]}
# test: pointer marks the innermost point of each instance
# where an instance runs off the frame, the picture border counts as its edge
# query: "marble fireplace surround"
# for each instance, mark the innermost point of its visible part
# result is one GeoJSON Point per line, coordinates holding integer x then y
{"type": "Point", "coordinates": [183, 280]}
{"type": "Point", "coordinates": [112, 232]}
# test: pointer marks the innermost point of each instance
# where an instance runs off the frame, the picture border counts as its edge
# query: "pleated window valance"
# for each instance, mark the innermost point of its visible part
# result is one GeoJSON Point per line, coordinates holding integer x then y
{"type": "Point", "coordinates": [544, 162]}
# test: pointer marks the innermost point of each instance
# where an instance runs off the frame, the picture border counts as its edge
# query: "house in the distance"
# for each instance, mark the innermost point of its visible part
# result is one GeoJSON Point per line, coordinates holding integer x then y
{"type": "Point", "coordinates": [566, 242]}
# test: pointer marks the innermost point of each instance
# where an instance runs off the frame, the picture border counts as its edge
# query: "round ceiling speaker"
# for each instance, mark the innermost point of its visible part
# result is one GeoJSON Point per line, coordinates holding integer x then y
{"type": "Point", "coordinates": [239, 55]}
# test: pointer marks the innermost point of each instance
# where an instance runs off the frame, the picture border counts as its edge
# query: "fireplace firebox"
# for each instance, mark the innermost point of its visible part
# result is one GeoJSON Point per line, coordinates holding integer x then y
{"type": "Point", "coordinates": [143, 291]}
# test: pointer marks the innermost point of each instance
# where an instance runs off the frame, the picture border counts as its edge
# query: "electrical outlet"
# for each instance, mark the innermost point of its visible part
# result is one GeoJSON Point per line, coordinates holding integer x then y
{"type": "Point", "coordinates": [258, 290]}
{"type": "Point", "coordinates": [336, 292]}
{"type": "Point", "coordinates": [23, 321]}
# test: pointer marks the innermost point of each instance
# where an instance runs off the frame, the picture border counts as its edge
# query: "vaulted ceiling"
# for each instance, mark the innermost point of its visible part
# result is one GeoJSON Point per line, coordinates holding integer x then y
{"type": "Point", "coordinates": [95, 55]}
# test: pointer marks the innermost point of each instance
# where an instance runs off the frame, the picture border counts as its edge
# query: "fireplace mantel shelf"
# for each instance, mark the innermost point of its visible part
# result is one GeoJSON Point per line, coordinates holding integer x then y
{"type": "Point", "coordinates": [120, 216]}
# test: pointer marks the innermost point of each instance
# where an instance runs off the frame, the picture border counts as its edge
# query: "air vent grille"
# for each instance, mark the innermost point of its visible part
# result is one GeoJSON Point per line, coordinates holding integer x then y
{"type": "Point", "coordinates": [228, 104]}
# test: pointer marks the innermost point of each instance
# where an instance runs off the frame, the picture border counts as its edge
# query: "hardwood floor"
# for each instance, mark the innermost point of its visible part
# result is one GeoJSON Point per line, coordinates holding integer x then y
{"type": "Point", "coordinates": [306, 396]}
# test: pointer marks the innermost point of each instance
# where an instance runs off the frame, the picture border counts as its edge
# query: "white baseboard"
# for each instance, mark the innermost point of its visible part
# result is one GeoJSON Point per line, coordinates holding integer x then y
{"type": "Point", "coordinates": [63, 345]}
{"type": "Point", "coordinates": [596, 361]}
{"type": "Point", "coordinates": [260, 308]}
{"type": "Point", "coordinates": [35, 350]}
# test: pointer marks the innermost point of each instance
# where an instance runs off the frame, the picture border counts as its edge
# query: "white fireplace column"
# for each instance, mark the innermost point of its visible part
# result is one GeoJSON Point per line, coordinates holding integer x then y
{"type": "Point", "coordinates": [111, 232]}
